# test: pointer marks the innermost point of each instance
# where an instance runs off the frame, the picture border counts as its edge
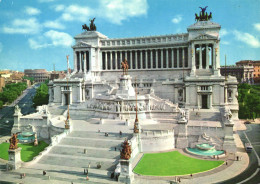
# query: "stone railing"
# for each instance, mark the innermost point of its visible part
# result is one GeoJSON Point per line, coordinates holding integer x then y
{"type": "Point", "coordinates": [145, 40]}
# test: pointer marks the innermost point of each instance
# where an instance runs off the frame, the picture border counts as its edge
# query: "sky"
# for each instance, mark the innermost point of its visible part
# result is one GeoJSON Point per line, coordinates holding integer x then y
{"type": "Point", "coordinates": [38, 34]}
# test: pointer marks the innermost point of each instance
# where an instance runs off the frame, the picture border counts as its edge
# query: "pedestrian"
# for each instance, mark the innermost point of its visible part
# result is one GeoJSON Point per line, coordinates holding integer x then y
{"type": "Point", "coordinates": [44, 173]}
{"type": "Point", "coordinates": [217, 157]}
{"type": "Point", "coordinates": [87, 172]}
{"type": "Point", "coordinates": [226, 162]}
{"type": "Point", "coordinates": [98, 131]}
{"type": "Point", "coordinates": [84, 171]}
{"type": "Point", "coordinates": [89, 165]}
{"type": "Point", "coordinates": [112, 175]}
{"type": "Point", "coordinates": [115, 148]}
{"type": "Point", "coordinates": [85, 151]}
{"type": "Point", "coordinates": [120, 133]}
{"type": "Point", "coordinates": [191, 175]}
{"type": "Point", "coordinates": [237, 158]}
{"type": "Point", "coordinates": [87, 178]}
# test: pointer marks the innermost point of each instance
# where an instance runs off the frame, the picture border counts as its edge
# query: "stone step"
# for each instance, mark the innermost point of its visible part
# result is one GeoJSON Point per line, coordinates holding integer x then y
{"type": "Point", "coordinates": [90, 143]}
{"type": "Point", "coordinates": [78, 161]}
{"type": "Point", "coordinates": [111, 154]}
{"type": "Point", "coordinates": [85, 134]}
{"type": "Point", "coordinates": [69, 174]}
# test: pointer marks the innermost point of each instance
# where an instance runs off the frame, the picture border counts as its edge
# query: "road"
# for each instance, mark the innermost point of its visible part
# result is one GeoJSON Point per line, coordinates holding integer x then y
{"type": "Point", "coordinates": [252, 173]}
{"type": "Point", "coordinates": [6, 113]}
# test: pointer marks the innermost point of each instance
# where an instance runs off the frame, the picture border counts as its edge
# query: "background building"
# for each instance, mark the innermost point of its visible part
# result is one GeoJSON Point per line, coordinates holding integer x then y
{"type": "Point", "coordinates": [39, 75]}
{"type": "Point", "coordinates": [252, 70]}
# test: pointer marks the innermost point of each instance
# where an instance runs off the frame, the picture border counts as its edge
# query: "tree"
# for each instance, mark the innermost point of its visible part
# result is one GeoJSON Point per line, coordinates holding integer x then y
{"type": "Point", "coordinates": [1, 104]}
{"type": "Point", "coordinates": [41, 97]}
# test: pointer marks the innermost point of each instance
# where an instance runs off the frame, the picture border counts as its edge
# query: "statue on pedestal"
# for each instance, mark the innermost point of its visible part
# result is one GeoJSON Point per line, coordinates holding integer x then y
{"type": "Point", "coordinates": [13, 142]}
{"type": "Point", "coordinates": [124, 66]}
{"type": "Point", "coordinates": [126, 151]}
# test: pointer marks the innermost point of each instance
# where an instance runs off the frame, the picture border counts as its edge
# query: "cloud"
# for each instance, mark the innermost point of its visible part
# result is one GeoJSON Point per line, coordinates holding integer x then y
{"type": "Point", "coordinates": [59, 7]}
{"type": "Point", "coordinates": [23, 26]}
{"type": "Point", "coordinates": [118, 10]}
{"type": "Point", "coordinates": [225, 42]}
{"type": "Point", "coordinates": [257, 26]}
{"type": "Point", "coordinates": [53, 24]}
{"type": "Point", "coordinates": [1, 47]}
{"type": "Point", "coordinates": [32, 11]}
{"type": "Point", "coordinates": [45, 1]}
{"type": "Point", "coordinates": [51, 39]}
{"type": "Point", "coordinates": [177, 19]}
{"type": "Point", "coordinates": [247, 38]}
{"type": "Point", "coordinates": [223, 32]}
{"type": "Point", "coordinates": [75, 13]}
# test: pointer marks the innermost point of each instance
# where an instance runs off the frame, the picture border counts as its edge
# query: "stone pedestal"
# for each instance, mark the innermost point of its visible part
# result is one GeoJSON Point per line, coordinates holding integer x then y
{"type": "Point", "coordinates": [126, 175]}
{"type": "Point", "coordinates": [14, 161]}
{"type": "Point", "coordinates": [182, 140]}
{"type": "Point", "coordinates": [229, 144]}
{"type": "Point", "coordinates": [125, 87]}
{"type": "Point", "coordinates": [17, 115]}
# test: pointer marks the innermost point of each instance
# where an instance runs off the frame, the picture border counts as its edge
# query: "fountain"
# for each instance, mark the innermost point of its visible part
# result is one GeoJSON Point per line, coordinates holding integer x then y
{"type": "Point", "coordinates": [205, 149]}
{"type": "Point", "coordinates": [26, 137]}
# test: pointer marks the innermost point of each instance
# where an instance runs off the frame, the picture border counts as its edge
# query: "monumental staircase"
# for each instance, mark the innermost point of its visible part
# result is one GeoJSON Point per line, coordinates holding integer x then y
{"type": "Point", "coordinates": [68, 159]}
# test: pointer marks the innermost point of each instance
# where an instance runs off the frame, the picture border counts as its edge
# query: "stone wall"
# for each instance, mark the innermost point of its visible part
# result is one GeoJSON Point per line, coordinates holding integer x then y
{"type": "Point", "coordinates": [153, 141]}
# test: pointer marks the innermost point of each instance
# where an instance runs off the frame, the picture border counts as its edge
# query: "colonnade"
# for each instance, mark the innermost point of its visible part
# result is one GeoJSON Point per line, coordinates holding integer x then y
{"type": "Point", "coordinates": [81, 61]}
{"type": "Point", "coordinates": [148, 58]}
{"type": "Point", "coordinates": [204, 56]}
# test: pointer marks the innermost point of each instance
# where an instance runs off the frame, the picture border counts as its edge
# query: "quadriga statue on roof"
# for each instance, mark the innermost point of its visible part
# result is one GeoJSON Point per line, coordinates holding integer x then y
{"type": "Point", "coordinates": [92, 26]}
{"type": "Point", "coordinates": [203, 15]}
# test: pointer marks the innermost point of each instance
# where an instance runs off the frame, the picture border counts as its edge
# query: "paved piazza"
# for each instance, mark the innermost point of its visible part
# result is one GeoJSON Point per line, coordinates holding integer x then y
{"type": "Point", "coordinates": [169, 96]}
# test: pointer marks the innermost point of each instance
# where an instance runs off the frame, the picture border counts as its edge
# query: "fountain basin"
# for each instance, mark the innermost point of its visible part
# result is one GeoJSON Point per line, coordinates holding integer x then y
{"type": "Point", "coordinates": [26, 137]}
{"type": "Point", "coordinates": [204, 150]}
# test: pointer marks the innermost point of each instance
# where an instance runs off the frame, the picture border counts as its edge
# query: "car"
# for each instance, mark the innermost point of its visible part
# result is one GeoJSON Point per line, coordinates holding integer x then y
{"type": "Point", "coordinates": [247, 122]}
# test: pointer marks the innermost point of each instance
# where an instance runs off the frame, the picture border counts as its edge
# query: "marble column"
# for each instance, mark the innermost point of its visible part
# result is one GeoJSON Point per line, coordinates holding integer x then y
{"type": "Point", "coordinates": [106, 63]}
{"type": "Point", "coordinates": [111, 60]}
{"type": "Point", "coordinates": [136, 67]}
{"type": "Point", "coordinates": [80, 62]}
{"type": "Point", "coordinates": [161, 58]}
{"type": "Point", "coordinates": [172, 50]}
{"type": "Point", "coordinates": [75, 61]}
{"type": "Point", "coordinates": [178, 59]}
{"type": "Point", "coordinates": [200, 60]}
{"type": "Point", "coordinates": [193, 65]}
{"type": "Point", "coordinates": [198, 100]}
{"type": "Point", "coordinates": [167, 58]}
{"type": "Point", "coordinates": [183, 58]}
{"type": "Point", "coordinates": [214, 58]}
{"type": "Point", "coordinates": [156, 58]}
{"type": "Point", "coordinates": [85, 62]}
{"type": "Point", "coordinates": [210, 101]}
{"type": "Point", "coordinates": [225, 100]}
{"type": "Point", "coordinates": [207, 56]}
{"type": "Point", "coordinates": [146, 59]}
{"type": "Point", "coordinates": [116, 67]}
{"type": "Point", "coordinates": [121, 59]}
{"type": "Point", "coordinates": [131, 60]}
{"type": "Point", "coordinates": [151, 60]}
{"type": "Point", "coordinates": [141, 59]}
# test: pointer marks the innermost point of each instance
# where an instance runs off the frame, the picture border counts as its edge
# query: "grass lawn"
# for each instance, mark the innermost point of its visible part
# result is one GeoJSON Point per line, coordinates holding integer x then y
{"type": "Point", "coordinates": [28, 151]}
{"type": "Point", "coordinates": [172, 164]}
